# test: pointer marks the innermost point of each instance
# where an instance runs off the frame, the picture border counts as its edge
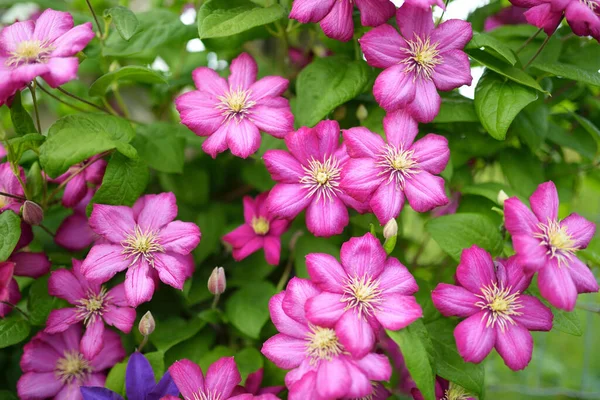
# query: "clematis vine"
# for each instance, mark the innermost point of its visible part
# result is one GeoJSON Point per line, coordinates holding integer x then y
{"type": "Point", "coordinates": [445, 390]}
{"type": "Point", "coordinates": [78, 183]}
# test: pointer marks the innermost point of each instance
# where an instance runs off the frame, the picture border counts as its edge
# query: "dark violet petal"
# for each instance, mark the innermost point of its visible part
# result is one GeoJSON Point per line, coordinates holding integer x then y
{"type": "Point", "coordinates": [139, 378]}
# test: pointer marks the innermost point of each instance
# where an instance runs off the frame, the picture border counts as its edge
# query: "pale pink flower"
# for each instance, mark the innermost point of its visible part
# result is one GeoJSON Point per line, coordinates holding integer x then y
{"type": "Point", "coordinates": [80, 183]}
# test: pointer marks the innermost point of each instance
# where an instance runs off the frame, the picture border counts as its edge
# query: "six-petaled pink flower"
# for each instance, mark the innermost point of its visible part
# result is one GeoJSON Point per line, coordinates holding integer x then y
{"type": "Point", "coordinates": [144, 240]}
{"type": "Point", "coordinates": [418, 61]}
{"type": "Point", "coordinates": [384, 173]}
{"type": "Point", "coordinates": [308, 177]}
{"type": "Point", "coordinates": [498, 314]}
{"type": "Point", "coordinates": [365, 292]}
{"type": "Point", "coordinates": [548, 245]}
{"type": "Point", "coordinates": [232, 112]}
{"type": "Point", "coordinates": [261, 230]}
{"type": "Point", "coordinates": [94, 306]}
{"type": "Point", "coordinates": [79, 183]}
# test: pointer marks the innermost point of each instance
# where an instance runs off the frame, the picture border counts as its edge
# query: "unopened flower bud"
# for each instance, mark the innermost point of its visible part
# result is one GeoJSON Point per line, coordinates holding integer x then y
{"type": "Point", "coordinates": [32, 213]}
{"type": "Point", "coordinates": [147, 324]}
{"type": "Point", "coordinates": [390, 229]}
{"type": "Point", "coordinates": [502, 197]}
{"type": "Point", "coordinates": [362, 113]}
{"type": "Point", "coordinates": [217, 282]}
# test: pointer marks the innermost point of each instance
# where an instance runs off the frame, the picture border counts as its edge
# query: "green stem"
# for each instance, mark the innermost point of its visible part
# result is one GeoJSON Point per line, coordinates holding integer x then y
{"type": "Point", "coordinates": [288, 266]}
{"type": "Point", "coordinates": [12, 196]}
{"type": "Point", "coordinates": [35, 105]}
{"type": "Point", "coordinates": [16, 308]}
{"type": "Point", "coordinates": [215, 301]}
{"type": "Point", "coordinates": [121, 102]}
{"type": "Point", "coordinates": [529, 40]}
{"type": "Point", "coordinates": [443, 13]}
{"type": "Point", "coordinates": [142, 344]}
{"type": "Point", "coordinates": [537, 53]}
{"type": "Point", "coordinates": [48, 231]}
{"type": "Point", "coordinates": [80, 99]}
{"type": "Point", "coordinates": [59, 99]}
{"type": "Point", "coordinates": [95, 19]}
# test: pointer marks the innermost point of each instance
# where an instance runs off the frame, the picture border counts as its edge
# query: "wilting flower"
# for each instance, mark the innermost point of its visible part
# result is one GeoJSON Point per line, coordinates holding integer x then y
{"type": "Point", "coordinates": [94, 306]}
{"type": "Point", "coordinates": [547, 245]}
{"type": "Point", "coordinates": [10, 184]}
{"type": "Point", "coordinates": [253, 385]}
{"type": "Point", "coordinates": [445, 390]}
{"type": "Point", "coordinates": [46, 48]}
{"type": "Point", "coordinates": [55, 367]}
{"type": "Point", "coordinates": [418, 62]}
{"type": "Point", "coordinates": [143, 240]}
{"type": "Point", "coordinates": [308, 177]}
{"type": "Point", "coordinates": [321, 367]}
{"type": "Point", "coordinates": [384, 173]}
{"type": "Point", "coordinates": [498, 314]}
{"type": "Point", "coordinates": [74, 233]}
{"type": "Point", "coordinates": [80, 183]}
{"type": "Point", "coordinates": [335, 16]}
{"type": "Point", "coordinates": [366, 291]}
{"type": "Point", "coordinates": [507, 16]}
{"type": "Point", "coordinates": [261, 230]}
{"type": "Point", "coordinates": [232, 112]}
{"type": "Point", "coordinates": [139, 383]}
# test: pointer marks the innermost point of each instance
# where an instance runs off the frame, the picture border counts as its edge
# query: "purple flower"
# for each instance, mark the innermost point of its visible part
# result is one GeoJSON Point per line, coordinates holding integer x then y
{"type": "Point", "coordinates": [2, 152]}
{"type": "Point", "coordinates": [78, 183]}
{"type": "Point", "coordinates": [426, 4]}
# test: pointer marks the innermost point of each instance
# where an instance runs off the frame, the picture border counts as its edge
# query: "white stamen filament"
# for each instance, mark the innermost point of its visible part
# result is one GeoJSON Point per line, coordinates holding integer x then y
{"type": "Point", "coordinates": [362, 294]}
{"type": "Point", "coordinates": [398, 164]}
{"type": "Point", "coordinates": [141, 244]}
{"type": "Point", "coordinates": [236, 104]}
{"type": "Point", "coordinates": [423, 56]}
{"type": "Point", "coordinates": [92, 306]}
{"type": "Point", "coordinates": [557, 240]}
{"type": "Point", "coordinates": [322, 344]}
{"type": "Point", "coordinates": [73, 366]}
{"type": "Point", "coordinates": [501, 304]}
{"type": "Point", "coordinates": [322, 178]}
{"type": "Point", "coordinates": [30, 51]}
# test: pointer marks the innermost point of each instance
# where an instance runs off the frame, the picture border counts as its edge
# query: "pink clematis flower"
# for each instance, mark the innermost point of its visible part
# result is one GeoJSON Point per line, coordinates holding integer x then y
{"type": "Point", "coordinates": [141, 240]}
{"type": "Point", "coordinates": [365, 292]}
{"type": "Point", "coordinates": [308, 177]}
{"type": "Point", "coordinates": [253, 386]}
{"type": "Point", "coordinates": [80, 183]}
{"type": "Point", "coordinates": [46, 48]}
{"type": "Point", "coordinates": [232, 112]}
{"type": "Point", "coordinates": [74, 233]}
{"type": "Point", "coordinates": [547, 245]}
{"type": "Point", "coordinates": [426, 4]}
{"type": "Point", "coordinates": [321, 368]}
{"type": "Point", "coordinates": [54, 366]}
{"type": "Point", "coordinates": [445, 390]}
{"type": "Point", "coordinates": [419, 62]}
{"type": "Point", "coordinates": [10, 184]}
{"type": "Point", "coordinates": [384, 173]}
{"type": "Point", "coordinates": [335, 16]}
{"type": "Point", "coordinates": [498, 314]}
{"type": "Point", "coordinates": [507, 16]}
{"type": "Point", "coordinates": [94, 306]}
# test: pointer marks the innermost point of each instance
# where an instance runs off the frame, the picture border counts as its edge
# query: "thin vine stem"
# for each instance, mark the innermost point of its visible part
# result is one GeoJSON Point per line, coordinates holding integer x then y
{"type": "Point", "coordinates": [89, 103]}
{"type": "Point", "coordinates": [13, 196]}
{"type": "Point", "coordinates": [529, 40]}
{"type": "Point", "coordinates": [537, 53]}
{"type": "Point", "coordinates": [55, 97]}
{"type": "Point", "coordinates": [290, 263]}
{"type": "Point", "coordinates": [95, 19]}
{"type": "Point", "coordinates": [16, 308]}
{"type": "Point", "coordinates": [35, 105]}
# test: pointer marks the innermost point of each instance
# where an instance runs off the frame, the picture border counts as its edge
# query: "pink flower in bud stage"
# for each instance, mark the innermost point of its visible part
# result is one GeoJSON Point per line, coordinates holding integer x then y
{"type": "Point", "coordinates": [78, 187]}
{"type": "Point", "coordinates": [507, 16]}
{"type": "Point", "coordinates": [308, 177]}
{"type": "Point", "coordinates": [445, 390]}
{"type": "Point", "coordinates": [143, 240]}
{"type": "Point", "coordinates": [232, 112]}
{"type": "Point", "coordinates": [253, 386]}
{"type": "Point", "coordinates": [498, 314]}
{"type": "Point", "coordinates": [364, 293]}
{"type": "Point", "coordinates": [321, 368]}
{"type": "Point", "coordinates": [74, 233]}
{"type": "Point", "coordinates": [418, 62]}
{"type": "Point", "coordinates": [384, 173]}
{"type": "Point", "coordinates": [335, 16]}
{"type": "Point", "coordinates": [94, 306]}
{"type": "Point", "coordinates": [55, 366]}
{"type": "Point", "coordinates": [261, 230]}
{"type": "Point", "coordinates": [548, 245]}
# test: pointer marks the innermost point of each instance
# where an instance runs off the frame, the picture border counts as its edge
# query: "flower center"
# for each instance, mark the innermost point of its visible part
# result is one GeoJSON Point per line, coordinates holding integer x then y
{"type": "Point", "coordinates": [591, 4]}
{"type": "Point", "coordinates": [455, 392]}
{"type": "Point", "coordinates": [73, 366]}
{"type": "Point", "coordinates": [214, 395]}
{"type": "Point", "coordinates": [557, 240]}
{"type": "Point", "coordinates": [322, 178]}
{"type": "Point", "coordinates": [141, 244]}
{"type": "Point", "coordinates": [236, 104]}
{"type": "Point", "coordinates": [92, 306]}
{"type": "Point", "coordinates": [260, 225]}
{"type": "Point", "coordinates": [501, 304]}
{"type": "Point", "coordinates": [398, 164]}
{"type": "Point", "coordinates": [29, 51]}
{"type": "Point", "coordinates": [323, 344]}
{"type": "Point", "coordinates": [422, 58]}
{"type": "Point", "coordinates": [363, 294]}
{"type": "Point", "coordinates": [4, 201]}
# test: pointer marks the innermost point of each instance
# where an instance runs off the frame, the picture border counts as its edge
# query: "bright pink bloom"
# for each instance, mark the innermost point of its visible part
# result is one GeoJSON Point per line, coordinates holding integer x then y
{"type": "Point", "coordinates": [308, 177]}
{"type": "Point", "coordinates": [253, 385]}
{"type": "Point", "coordinates": [321, 368]}
{"type": "Point", "coordinates": [232, 112]}
{"type": "Point", "coordinates": [426, 4]}
{"type": "Point", "coordinates": [55, 366]}
{"type": "Point", "coordinates": [507, 16]}
{"type": "Point", "coordinates": [365, 292]}
{"type": "Point", "coordinates": [46, 48]}
{"type": "Point", "coordinates": [10, 184]}
{"type": "Point", "coordinates": [498, 314]}
{"type": "Point", "coordinates": [335, 16]}
{"type": "Point", "coordinates": [260, 230]}
{"type": "Point", "coordinates": [74, 233]}
{"type": "Point", "coordinates": [547, 245]}
{"type": "Point", "coordinates": [418, 63]}
{"type": "Point", "coordinates": [20, 263]}
{"type": "Point", "coordinates": [94, 305]}
{"type": "Point", "coordinates": [141, 240]}
{"type": "Point", "coordinates": [78, 187]}
{"type": "Point", "coordinates": [2, 151]}
{"type": "Point", "coordinates": [444, 390]}
{"type": "Point", "coordinates": [384, 173]}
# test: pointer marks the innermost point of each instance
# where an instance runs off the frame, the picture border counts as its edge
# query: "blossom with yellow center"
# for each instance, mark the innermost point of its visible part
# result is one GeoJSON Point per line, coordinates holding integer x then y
{"type": "Point", "coordinates": [322, 344]}
{"type": "Point", "coordinates": [143, 244]}
{"type": "Point", "coordinates": [322, 178]}
{"type": "Point", "coordinates": [423, 56]}
{"type": "Point", "coordinates": [362, 294]}
{"type": "Point", "coordinates": [72, 367]}
{"type": "Point", "coordinates": [501, 304]}
{"type": "Point", "coordinates": [398, 164]}
{"type": "Point", "coordinates": [236, 104]}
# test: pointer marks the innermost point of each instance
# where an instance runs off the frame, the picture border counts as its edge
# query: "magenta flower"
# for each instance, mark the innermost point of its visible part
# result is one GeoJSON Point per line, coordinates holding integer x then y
{"type": "Point", "coordinates": [80, 183]}
{"type": "Point", "coordinates": [445, 390]}
{"type": "Point", "coordinates": [2, 150]}
{"type": "Point", "coordinates": [20, 263]}
{"type": "Point", "coordinates": [366, 292]}
{"type": "Point", "coordinates": [449, 208]}
{"type": "Point", "coordinates": [10, 184]}
{"type": "Point", "coordinates": [308, 177]}
{"type": "Point", "coordinates": [426, 4]}
{"type": "Point", "coordinates": [74, 233]}
{"type": "Point", "coordinates": [232, 112]}
{"type": "Point", "coordinates": [54, 366]}
{"type": "Point", "coordinates": [141, 240]}
{"type": "Point", "coordinates": [321, 368]}
{"type": "Point", "coordinates": [547, 245]}
{"type": "Point", "coordinates": [507, 16]}
{"type": "Point", "coordinates": [46, 48]}
{"type": "Point", "coordinates": [384, 173]}
{"type": "Point", "coordinates": [253, 386]}
{"type": "Point", "coordinates": [498, 314]}
{"type": "Point", "coordinates": [417, 62]}
{"type": "Point", "coordinates": [260, 230]}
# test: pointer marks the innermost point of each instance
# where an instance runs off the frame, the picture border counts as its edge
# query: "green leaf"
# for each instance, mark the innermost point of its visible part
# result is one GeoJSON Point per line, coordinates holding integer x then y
{"type": "Point", "coordinates": [248, 360]}
{"type": "Point", "coordinates": [569, 72]}
{"type": "Point", "coordinates": [219, 18]}
{"type": "Point", "coordinates": [19, 145]}
{"type": "Point", "coordinates": [309, 244]}
{"type": "Point", "coordinates": [13, 329]}
{"type": "Point", "coordinates": [21, 120]}
{"type": "Point", "coordinates": [124, 19]}
{"type": "Point", "coordinates": [577, 139]}
{"type": "Point", "coordinates": [493, 46]}
{"type": "Point", "coordinates": [588, 126]}
{"type": "Point", "coordinates": [488, 190]}
{"type": "Point", "coordinates": [457, 232]}
{"type": "Point", "coordinates": [523, 170]}
{"type": "Point", "coordinates": [161, 147]}
{"type": "Point", "coordinates": [248, 308]}
{"type": "Point", "coordinates": [10, 231]}
{"type": "Point", "coordinates": [567, 322]}
{"type": "Point", "coordinates": [498, 101]}
{"type": "Point", "coordinates": [129, 73]}
{"type": "Point", "coordinates": [35, 181]}
{"type": "Point", "coordinates": [456, 110]}
{"type": "Point", "coordinates": [193, 348]}
{"type": "Point", "coordinates": [115, 380]}
{"type": "Point", "coordinates": [532, 124]}
{"type": "Point", "coordinates": [157, 362]}
{"type": "Point", "coordinates": [7, 395]}
{"type": "Point", "coordinates": [212, 225]}
{"type": "Point", "coordinates": [172, 331]}
{"type": "Point", "coordinates": [40, 303]}
{"type": "Point", "coordinates": [390, 244]}
{"type": "Point", "coordinates": [327, 83]}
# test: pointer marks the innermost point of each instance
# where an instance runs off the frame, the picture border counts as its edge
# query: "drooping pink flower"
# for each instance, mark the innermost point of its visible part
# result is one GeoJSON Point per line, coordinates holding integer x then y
{"type": "Point", "coordinates": [445, 390]}
{"type": "Point", "coordinates": [253, 386]}
{"type": "Point", "coordinates": [232, 112]}
{"type": "Point", "coordinates": [498, 314]}
{"type": "Point", "coordinates": [75, 233]}
{"type": "Point", "coordinates": [308, 177]}
{"type": "Point", "coordinates": [46, 48]}
{"type": "Point", "coordinates": [80, 183]}
{"type": "Point", "coordinates": [321, 368]}
{"type": "Point", "coordinates": [260, 230]}
{"type": "Point", "coordinates": [141, 240]}
{"type": "Point", "coordinates": [335, 16]}
{"type": "Point", "coordinates": [365, 292]}
{"type": "Point", "coordinates": [419, 62]}
{"type": "Point", "coordinates": [94, 306]}
{"type": "Point", "coordinates": [507, 16]}
{"type": "Point", "coordinates": [545, 244]}
{"type": "Point", "coordinates": [10, 184]}
{"type": "Point", "coordinates": [55, 366]}
{"type": "Point", "coordinates": [384, 173]}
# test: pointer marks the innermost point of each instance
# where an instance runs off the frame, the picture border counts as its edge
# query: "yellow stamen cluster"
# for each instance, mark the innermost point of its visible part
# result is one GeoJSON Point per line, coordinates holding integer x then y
{"type": "Point", "coordinates": [398, 164]}
{"type": "Point", "coordinates": [557, 240]}
{"type": "Point", "coordinates": [591, 4]}
{"type": "Point", "coordinates": [322, 344]}
{"type": "Point", "coordinates": [29, 51]}
{"type": "Point", "coordinates": [73, 366]}
{"type": "Point", "coordinates": [322, 178]}
{"type": "Point", "coordinates": [214, 395]}
{"type": "Point", "coordinates": [362, 294]}
{"type": "Point", "coordinates": [92, 306]}
{"type": "Point", "coordinates": [141, 244]}
{"type": "Point", "coordinates": [236, 104]}
{"type": "Point", "coordinates": [423, 56]}
{"type": "Point", "coordinates": [260, 225]}
{"type": "Point", "coordinates": [501, 304]}
{"type": "Point", "coordinates": [455, 392]}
